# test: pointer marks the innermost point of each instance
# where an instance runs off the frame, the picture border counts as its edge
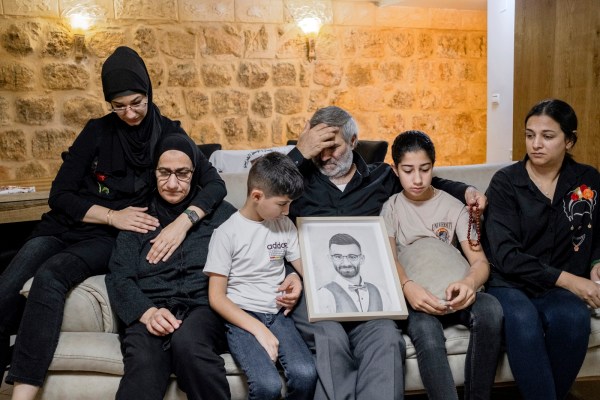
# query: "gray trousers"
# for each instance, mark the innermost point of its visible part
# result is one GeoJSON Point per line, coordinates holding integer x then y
{"type": "Point", "coordinates": [361, 360]}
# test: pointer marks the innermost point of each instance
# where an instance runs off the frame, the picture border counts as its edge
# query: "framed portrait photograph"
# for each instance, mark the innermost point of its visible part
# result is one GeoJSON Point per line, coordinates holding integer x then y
{"type": "Point", "coordinates": [349, 269]}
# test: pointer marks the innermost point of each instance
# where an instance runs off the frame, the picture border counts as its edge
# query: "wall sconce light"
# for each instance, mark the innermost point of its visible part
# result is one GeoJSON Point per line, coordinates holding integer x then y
{"type": "Point", "coordinates": [310, 16]}
{"type": "Point", "coordinates": [78, 45]}
{"type": "Point", "coordinates": [311, 27]}
{"type": "Point", "coordinates": [81, 15]}
{"type": "Point", "coordinates": [79, 24]}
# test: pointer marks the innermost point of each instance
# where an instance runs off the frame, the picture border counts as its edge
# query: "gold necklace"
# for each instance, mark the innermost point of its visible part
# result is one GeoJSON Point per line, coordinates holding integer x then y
{"type": "Point", "coordinates": [538, 182]}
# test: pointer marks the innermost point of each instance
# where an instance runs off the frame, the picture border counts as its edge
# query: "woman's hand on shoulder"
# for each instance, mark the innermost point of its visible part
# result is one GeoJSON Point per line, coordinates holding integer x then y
{"type": "Point", "coordinates": [170, 238]}
{"type": "Point", "coordinates": [133, 219]}
{"type": "Point", "coordinates": [421, 299]}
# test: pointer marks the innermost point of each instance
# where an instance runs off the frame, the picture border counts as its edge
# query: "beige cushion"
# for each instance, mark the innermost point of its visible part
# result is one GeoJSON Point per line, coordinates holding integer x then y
{"type": "Point", "coordinates": [88, 352]}
{"type": "Point", "coordinates": [433, 264]}
{"type": "Point", "coordinates": [87, 308]}
{"type": "Point", "coordinates": [236, 183]}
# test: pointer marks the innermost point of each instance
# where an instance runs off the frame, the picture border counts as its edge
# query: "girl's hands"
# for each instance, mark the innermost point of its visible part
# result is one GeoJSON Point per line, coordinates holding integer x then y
{"type": "Point", "coordinates": [422, 300]}
{"type": "Point", "coordinates": [460, 295]}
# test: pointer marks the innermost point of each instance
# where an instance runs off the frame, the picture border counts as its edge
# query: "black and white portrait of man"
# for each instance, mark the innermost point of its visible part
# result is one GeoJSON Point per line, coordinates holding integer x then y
{"type": "Point", "coordinates": [348, 291]}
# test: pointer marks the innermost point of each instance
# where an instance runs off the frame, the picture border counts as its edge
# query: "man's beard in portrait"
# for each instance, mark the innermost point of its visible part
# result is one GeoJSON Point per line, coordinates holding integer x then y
{"type": "Point", "coordinates": [335, 168]}
{"type": "Point", "coordinates": [348, 270]}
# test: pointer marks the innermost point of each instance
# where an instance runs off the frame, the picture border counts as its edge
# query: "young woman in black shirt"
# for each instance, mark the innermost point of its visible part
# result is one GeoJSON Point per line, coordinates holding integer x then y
{"type": "Point", "coordinates": [542, 239]}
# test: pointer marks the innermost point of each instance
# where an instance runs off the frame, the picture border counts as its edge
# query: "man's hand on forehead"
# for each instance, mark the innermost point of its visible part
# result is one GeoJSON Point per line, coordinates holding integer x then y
{"type": "Point", "coordinates": [313, 140]}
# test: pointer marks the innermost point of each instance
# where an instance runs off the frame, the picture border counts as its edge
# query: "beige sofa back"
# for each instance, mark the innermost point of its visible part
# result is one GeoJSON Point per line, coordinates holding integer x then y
{"type": "Point", "coordinates": [477, 175]}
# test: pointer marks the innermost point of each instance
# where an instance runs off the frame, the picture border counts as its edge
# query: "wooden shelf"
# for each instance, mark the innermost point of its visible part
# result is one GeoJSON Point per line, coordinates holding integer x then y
{"type": "Point", "coordinates": [21, 207]}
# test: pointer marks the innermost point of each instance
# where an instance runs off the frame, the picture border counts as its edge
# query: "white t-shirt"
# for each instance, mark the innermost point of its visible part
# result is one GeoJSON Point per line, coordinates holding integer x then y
{"type": "Point", "coordinates": [251, 254]}
{"type": "Point", "coordinates": [442, 217]}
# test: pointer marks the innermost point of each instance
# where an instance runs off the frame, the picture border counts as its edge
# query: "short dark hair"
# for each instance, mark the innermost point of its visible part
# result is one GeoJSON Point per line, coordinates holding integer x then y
{"type": "Point", "coordinates": [410, 141]}
{"type": "Point", "coordinates": [276, 175]}
{"type": "Point", "coordinates": [335, 116]}
{"type": "Point", "coordinates": [343, 239]}
{"type": "Point", "coordinates": [559, 111]}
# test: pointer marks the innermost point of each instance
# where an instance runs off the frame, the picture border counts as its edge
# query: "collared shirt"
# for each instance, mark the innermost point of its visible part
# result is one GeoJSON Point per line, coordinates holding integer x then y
{"type": "Point", "coordinates": [360, 296]}
{"type": "Point", "coordinates": [529, 239]}
{"type": "Point", "coordinates": [369, 188]}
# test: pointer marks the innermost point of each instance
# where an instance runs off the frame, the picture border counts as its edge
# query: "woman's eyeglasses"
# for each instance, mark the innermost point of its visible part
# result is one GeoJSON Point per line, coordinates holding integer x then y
{"type": "Point", "coordinates": [135, 107]}
{"type": "Point", "coordinates": [183, 175]}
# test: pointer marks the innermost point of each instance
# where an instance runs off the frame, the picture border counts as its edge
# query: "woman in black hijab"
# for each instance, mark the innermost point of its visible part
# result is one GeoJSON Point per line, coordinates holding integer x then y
{"type": "Point", "coordinates": [103, 187]}
{"type": "Point", "coordinates": [170, 327]}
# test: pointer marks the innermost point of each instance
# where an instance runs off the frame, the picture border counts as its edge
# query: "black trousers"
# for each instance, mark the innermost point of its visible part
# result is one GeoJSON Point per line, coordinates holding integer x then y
{"type": "Point", "coordinates": [193, 356]}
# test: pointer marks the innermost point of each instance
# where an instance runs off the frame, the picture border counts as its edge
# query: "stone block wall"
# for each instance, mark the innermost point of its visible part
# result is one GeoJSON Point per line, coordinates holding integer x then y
{"type": "Point", "coordinates": [236, 72]}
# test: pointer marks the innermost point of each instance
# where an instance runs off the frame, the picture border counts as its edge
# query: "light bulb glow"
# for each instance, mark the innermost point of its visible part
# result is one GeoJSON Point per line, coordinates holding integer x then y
{"type": "Point", "coordinates": [310, 25]}
{"type": "Point", "coordinates": [80, 21]}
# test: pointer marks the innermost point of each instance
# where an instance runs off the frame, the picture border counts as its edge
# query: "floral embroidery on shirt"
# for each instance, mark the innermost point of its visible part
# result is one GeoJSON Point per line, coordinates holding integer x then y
{"type": "Point", "coordinates": [579, 208]}
{"type": "Point", "coordinates": [582, 192]}
{"type": "Point", "coordinates": [100, 177]}
{"type": "Point", "coordinates": [101, 188]}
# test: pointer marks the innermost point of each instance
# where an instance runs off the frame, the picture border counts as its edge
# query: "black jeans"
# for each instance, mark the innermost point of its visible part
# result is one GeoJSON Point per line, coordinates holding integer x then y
{"type": "Point", "coordinates": [56, 271]}
{"type": "Point", "coordinates": [192, 355]}
{"type": "Point", "coordinates": [484, 320]}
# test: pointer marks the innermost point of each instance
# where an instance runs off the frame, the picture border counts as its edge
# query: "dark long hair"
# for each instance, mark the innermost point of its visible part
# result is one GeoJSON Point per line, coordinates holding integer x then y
{"type": "Point", "coordinates": [410, 141]}
{"type": "Point", "coordinates": [559, 111]}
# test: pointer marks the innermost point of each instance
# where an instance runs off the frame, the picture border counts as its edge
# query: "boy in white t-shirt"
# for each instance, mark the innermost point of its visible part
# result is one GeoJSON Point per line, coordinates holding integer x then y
{"type": "Point", "coordinates": [246, 268]}
{"type": "Point", "coordinates": [421, 211]}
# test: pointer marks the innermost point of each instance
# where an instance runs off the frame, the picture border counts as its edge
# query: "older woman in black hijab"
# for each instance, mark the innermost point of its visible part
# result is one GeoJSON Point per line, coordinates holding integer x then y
{"type": "Point", "coordinates": [170, 327]}
{"type": "Point", "coordinates": [103, 187]}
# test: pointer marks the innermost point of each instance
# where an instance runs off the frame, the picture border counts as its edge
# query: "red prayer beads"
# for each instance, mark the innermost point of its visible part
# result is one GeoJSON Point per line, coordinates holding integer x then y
{"type": "Point", "coordinates": [474, 220]}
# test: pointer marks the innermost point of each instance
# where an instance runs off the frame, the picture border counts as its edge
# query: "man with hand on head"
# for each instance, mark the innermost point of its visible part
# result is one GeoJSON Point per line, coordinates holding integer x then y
{"type": "Point", "coordinates": [353, 359]}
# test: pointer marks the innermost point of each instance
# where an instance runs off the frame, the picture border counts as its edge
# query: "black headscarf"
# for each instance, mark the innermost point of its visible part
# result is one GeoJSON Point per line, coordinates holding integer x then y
{"type": "Point", "coordinates": [124, 72]}
{"type": "Point", "coordinates": [163, 210]}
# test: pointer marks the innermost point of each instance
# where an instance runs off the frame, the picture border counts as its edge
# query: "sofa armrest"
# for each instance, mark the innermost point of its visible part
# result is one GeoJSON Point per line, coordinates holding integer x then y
{"type": "Point", "coordinates": [87, 308]}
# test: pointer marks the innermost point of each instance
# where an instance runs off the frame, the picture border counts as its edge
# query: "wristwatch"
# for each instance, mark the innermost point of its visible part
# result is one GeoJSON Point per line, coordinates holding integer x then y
{"type": "Point", "coordinates": [192, 215]}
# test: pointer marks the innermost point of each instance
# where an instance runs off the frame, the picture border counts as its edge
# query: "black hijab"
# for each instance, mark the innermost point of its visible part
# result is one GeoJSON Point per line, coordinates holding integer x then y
{"type": "Point", "coordinates": [163, 210]}
{"type": "Point", "coordinates": [123, 73]}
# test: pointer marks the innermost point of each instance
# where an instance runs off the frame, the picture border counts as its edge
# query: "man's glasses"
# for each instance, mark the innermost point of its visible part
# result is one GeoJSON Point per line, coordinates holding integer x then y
{"type": "Point", "coordinates": [183, 174]}
{"type": "Point", "coordinates": [135, 107]}
{"type": "Point", "coordinates": [353, 258]}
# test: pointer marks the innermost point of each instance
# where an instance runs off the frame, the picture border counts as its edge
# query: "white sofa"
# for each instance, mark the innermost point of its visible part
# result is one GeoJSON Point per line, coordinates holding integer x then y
{"type": "Point", "coordinates": [88, 362]}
